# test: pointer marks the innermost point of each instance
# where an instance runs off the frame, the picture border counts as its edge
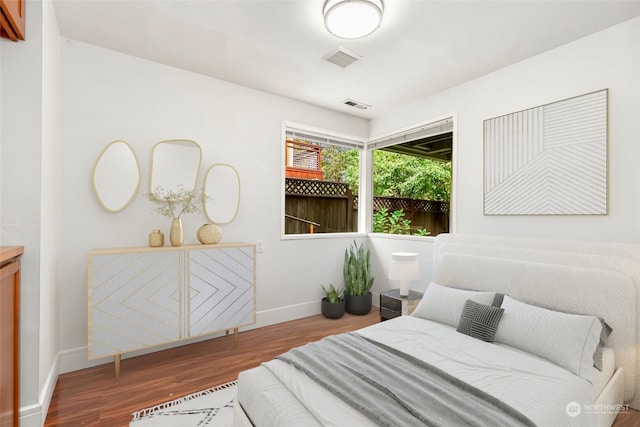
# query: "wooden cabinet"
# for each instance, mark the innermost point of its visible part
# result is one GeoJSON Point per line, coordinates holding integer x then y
{"type": "Point", "coordinates": [10, 335]}
{"type": "Point", "coordinates": [144, 297]}
{"type": "Point", "coordinates": [12, 19]}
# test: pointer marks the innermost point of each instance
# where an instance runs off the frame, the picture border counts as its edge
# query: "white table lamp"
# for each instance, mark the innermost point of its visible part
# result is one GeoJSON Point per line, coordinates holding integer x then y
{"type": "Point", "coordinates": [404, 268]}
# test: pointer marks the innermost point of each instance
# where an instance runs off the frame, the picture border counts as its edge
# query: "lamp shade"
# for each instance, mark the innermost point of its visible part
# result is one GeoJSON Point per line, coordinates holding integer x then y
{"type": "Point", "coordinates": [404, 266]}
{"type": "Point", "coordinates": [352, 19]}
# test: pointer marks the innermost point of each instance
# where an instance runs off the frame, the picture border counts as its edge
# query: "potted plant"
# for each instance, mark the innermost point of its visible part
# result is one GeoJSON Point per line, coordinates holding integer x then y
{"type": "Point", "coordinates": [332, 303]}
{"type": "Point", "coordinates": [357, 279]}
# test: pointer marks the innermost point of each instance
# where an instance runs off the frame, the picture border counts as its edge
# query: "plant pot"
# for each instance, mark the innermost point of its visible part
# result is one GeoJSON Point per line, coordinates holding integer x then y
{"type": "Point", "coordinates": [333, 310]}
{"type": "Point", "coordinates": [358, 304]}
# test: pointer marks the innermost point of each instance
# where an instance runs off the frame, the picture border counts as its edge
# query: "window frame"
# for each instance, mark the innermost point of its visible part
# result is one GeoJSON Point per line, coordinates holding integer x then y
{"type": "Point", "coordinates": [445, 123]}
{"type": "Point", "coordinates": [365, 179]}
{"type": "Point", "coordinates": [325, 136]}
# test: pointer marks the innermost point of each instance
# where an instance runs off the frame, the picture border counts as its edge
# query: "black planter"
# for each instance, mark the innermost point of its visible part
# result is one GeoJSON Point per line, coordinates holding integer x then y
{"type": "Point", "coordinates": [358, 304]}
{"type": "Point", "coordinates": [333, 310]}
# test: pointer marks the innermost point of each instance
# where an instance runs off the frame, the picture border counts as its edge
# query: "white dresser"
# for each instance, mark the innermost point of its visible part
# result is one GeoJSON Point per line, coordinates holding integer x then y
{"type": "Point", "coordinates": [144, 297]}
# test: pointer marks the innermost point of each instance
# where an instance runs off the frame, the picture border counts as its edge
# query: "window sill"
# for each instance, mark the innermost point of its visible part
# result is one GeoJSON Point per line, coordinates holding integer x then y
{"type": "Point", "coordinates": [321, 236]}
{"type": "Point", "coordinates": [401, 237]}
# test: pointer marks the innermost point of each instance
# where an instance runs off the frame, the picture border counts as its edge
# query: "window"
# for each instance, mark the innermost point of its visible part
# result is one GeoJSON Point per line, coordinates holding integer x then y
{"type": "Point", "coordinates": [321, 181]}
{"type": "Point", "coordinates": [412, 180]}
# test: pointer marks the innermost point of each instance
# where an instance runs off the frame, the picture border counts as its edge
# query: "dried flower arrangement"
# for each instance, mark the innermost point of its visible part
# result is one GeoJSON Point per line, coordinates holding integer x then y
{"type": "Point", "coordinates": [174, 203]}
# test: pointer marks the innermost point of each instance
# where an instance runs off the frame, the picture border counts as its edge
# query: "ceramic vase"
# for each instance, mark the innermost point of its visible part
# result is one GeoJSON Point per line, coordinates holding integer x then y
{"type": "Point", "coordinates": [209, 234]}
{"type": "Point", "coordinates": [156, 239]}
{"type": "Point", "coordinates": [176, 235]}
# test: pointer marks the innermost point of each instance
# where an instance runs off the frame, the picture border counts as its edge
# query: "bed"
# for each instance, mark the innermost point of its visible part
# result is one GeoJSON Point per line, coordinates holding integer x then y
{"type": "Point", "coordinates": [451, 359]}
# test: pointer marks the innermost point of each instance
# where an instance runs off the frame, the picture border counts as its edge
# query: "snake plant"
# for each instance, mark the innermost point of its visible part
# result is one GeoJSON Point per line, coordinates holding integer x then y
{"type": "Point", "coordinates": [357, 270]}
{"type": "Point", "coordinates": [332, 295]}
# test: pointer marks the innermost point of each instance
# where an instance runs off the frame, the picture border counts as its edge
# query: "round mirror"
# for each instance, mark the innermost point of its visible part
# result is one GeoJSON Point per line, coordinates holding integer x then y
{"type": "Point", "coordinates": [116, 176]}
{"type": "Point", "coordinates": [175, 165]}
{"type": "Point", "coordinates": [222, 185]}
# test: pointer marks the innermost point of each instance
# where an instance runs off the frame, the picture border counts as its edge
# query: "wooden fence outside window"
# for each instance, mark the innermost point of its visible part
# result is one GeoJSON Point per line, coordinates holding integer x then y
{"type": "Point", "coordinates": [313, 206]}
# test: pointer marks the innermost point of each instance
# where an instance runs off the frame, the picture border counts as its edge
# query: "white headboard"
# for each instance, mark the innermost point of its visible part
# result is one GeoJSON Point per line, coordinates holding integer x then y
{"type": "Point", "coordinates": [602, 279]}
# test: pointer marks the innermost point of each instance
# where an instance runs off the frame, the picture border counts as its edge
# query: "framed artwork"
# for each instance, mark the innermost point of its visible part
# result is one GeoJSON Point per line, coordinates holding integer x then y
{"type": "Point", "coordinates": [548, 160]}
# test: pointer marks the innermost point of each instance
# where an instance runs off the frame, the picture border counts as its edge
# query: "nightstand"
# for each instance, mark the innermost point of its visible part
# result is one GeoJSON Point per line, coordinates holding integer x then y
{"type": "Point", "coordinates": [393, 305]}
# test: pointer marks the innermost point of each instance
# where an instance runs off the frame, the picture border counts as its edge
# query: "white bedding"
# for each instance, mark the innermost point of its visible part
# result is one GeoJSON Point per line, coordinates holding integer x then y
{"type": "Point", "coordinates": [539, 389]}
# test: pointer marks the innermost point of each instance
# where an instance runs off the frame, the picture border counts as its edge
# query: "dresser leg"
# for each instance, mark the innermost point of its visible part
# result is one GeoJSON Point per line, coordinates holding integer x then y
{"type": "Point", "coordinates": [226, 333]}
{"type": "Point", "coordinates": [235, 337]}
{"type": "Point", "coordinates": [116, 360]}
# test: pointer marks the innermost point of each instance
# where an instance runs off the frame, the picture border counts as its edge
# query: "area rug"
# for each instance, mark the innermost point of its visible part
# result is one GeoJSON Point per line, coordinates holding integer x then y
{"type": "Point", "coordinates": [212, 407]}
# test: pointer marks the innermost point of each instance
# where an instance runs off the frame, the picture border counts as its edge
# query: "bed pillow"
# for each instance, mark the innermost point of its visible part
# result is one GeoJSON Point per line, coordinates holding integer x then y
{"type": "Point", "coordinates": [568, 340]}
{"type": "Point", "coordinates": [444, 304]}
{"type": "Point", "coordinates": [604, 336]}
{"type": "Point", "coordinates": [479, 320]}
{"type": "Point", "coordinates": [497, 301]}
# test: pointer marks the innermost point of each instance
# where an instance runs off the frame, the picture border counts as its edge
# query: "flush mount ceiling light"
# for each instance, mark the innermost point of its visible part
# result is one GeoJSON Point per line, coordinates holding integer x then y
{"type": "Point", "coordinates": [352, 19]}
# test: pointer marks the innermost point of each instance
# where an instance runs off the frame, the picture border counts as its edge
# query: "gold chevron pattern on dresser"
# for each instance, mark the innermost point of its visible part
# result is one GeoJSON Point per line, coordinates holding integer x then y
{"type": "Point", "coordinates": [144, 297]}
{"type": "Point", "coordinates": [135, 301]}
{"type": "Point", "coordinates": [220, 288]}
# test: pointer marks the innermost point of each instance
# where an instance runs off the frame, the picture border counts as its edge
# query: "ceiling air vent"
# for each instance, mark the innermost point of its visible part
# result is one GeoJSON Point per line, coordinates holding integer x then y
{"type": "Point", "coordinates": [356, 104]}
{"type": "Point", "coordinates": [342, 57]}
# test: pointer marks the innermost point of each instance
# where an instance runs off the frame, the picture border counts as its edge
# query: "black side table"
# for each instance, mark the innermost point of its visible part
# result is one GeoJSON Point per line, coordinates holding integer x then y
{"type": "Point", "coordinates": [393, 305]}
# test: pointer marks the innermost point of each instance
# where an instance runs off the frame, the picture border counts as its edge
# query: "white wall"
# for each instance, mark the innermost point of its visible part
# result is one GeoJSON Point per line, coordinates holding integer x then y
{"type": "Point", "coordinates": [49, 201]}
{"type": "Point", "coordinates": [107, 96]}
{"type": "Point", "coordinates": [607, 59]}
{"type": "Point", "coordinates": [29, 193]}
{"type": "Point", "coordinates": [21, 157]}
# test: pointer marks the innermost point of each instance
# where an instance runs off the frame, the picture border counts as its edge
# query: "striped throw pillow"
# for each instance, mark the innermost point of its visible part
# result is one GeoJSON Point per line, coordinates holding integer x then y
{"type": "Point", "coordinates": [479, 321]}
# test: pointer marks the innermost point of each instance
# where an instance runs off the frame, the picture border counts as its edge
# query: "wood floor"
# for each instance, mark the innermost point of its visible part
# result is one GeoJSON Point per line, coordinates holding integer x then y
{"type": "Point", "coordinates": [94, 397]}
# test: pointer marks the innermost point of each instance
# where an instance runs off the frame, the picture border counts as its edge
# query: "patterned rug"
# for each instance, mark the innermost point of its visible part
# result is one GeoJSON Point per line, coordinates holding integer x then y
{"type": "Point", "coordinates": [212, 407]}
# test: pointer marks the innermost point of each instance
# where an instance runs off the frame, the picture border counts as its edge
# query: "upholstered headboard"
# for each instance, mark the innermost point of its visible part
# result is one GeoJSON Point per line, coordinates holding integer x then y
{"type": "Point", "coordinates": [602, 279]}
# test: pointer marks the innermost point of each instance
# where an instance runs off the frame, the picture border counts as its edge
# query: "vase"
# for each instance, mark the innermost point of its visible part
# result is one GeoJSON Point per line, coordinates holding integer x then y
{"type": "Point", "coordinates": [156, 239]}
{"type": "Point", "coordinates": [209, 234]}
{"type": "Point", "coordinates": [176, 236]}
{"type": "Point", "coordinates": [358, 304]}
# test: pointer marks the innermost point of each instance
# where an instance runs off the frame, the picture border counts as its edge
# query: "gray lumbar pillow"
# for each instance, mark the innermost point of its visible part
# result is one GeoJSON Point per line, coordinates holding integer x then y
{"type": "Point", "coordinates": [479, 320]}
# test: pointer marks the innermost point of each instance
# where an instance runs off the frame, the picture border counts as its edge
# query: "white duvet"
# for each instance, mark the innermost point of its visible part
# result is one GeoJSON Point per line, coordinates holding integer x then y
{"type": "Point", "coordinates": [537, 388]}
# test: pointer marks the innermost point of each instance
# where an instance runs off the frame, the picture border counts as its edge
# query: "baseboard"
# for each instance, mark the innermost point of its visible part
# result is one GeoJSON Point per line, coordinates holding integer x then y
{"type": "Point", "coordinates": [77, 358]}
{"type": "Point", "coordinates": [36, 414]}
{"type": "Point", "coordinates": [285, 314]}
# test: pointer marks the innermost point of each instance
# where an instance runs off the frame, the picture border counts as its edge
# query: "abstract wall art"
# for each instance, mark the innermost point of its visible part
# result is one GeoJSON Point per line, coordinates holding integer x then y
{"type": "Point", "coordinates": [548, 160]}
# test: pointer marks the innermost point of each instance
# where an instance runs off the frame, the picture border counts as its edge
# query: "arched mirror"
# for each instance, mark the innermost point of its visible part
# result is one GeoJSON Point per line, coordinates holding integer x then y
{"type": "Point", "coordinates": [222, 185]}
{"type": "Point", "coordinates": [175, 165]}
{"type": "Point", "coordinates": [116, 176]}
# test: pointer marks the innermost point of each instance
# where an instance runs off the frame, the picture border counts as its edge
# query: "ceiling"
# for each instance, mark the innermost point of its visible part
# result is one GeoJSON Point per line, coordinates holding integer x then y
{"type": "Point", "coordinates": [421, 48]}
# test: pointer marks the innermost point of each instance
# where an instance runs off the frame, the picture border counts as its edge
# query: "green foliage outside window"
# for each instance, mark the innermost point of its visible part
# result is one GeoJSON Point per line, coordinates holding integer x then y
{"type": "Point", "coordinates": [394, 223]}
{"type": "Point", "coordinates": [341, 165]}
{"type": "Point", "coordinates": [394, 175]}
{"type": "Point", "coordinates": [401, 175]}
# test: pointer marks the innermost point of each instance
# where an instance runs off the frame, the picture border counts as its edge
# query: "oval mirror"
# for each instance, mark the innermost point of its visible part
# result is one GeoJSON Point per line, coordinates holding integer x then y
{"type": "Point", "coordinates": [116, 176]}
{"type": "Point", "coordinates": [222, 186]}
{"type": "Point", "coordinates": [175, 165]}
